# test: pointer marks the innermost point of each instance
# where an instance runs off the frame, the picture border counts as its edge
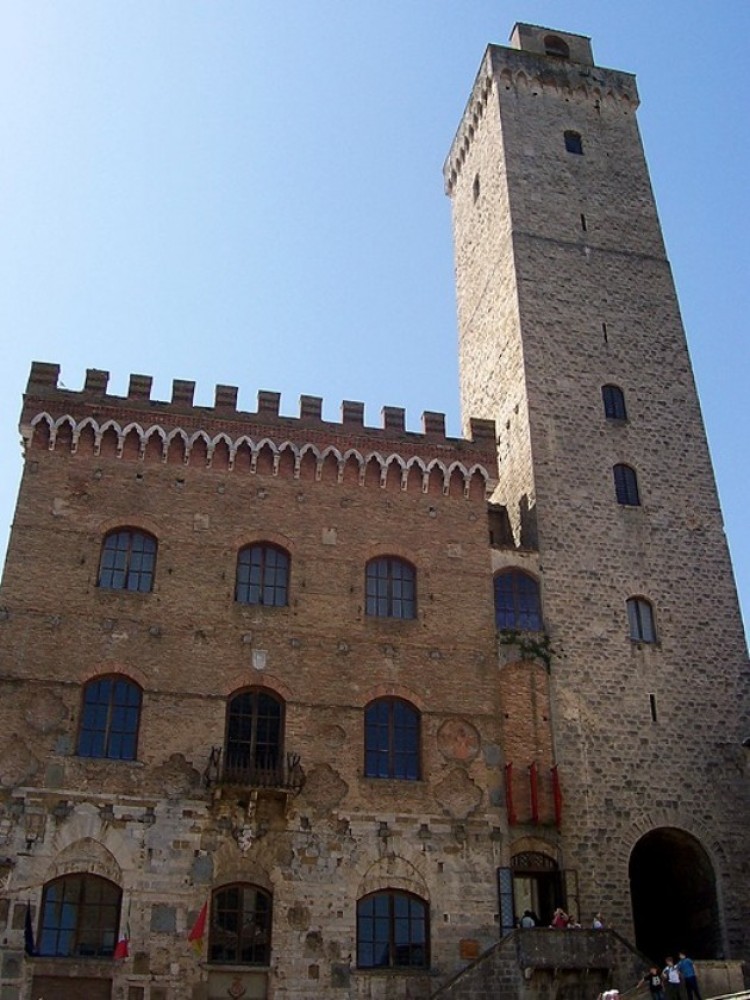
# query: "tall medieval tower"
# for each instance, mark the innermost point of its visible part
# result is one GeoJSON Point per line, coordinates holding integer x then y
{"type": "Point", "coordinates": [571, 340]}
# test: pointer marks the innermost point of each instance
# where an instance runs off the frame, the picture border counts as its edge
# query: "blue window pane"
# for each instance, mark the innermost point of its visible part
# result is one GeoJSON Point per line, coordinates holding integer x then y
{"type": "Point", "coordinates": [127, 561]}
{"type": "Point", "coordinates": [109, 720]}
{"type": "Point", "coordinates": [389, 588]}
{"type": "Point", "coordinates": [397, 936]}
{"type": "Point", "coordinates": [517, 604]}
{"type": "Point", "coordinates": [262, 576]}
{"type": "Point", "coordinates": [391, 740]}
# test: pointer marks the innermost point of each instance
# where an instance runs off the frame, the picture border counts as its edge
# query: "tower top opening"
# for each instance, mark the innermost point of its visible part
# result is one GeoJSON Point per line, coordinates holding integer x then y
{"type": "Point", "coordinates": [555, 44]}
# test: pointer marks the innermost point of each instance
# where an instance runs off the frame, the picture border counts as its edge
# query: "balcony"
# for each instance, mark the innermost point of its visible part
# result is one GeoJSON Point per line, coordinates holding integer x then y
{"type": "Point", "coordinates": [267, 771]}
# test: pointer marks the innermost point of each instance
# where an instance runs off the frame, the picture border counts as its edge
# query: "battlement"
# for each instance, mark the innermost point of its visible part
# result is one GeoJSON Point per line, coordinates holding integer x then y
{"type": "Point", "coordinates": [44, 377]}
{"type": "Point", "coordinates": [221, 437]}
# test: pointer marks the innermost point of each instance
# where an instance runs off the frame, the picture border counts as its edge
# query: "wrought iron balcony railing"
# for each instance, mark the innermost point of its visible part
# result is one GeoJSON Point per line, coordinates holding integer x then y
{"type": "Point", "coordinates": [269, 771]}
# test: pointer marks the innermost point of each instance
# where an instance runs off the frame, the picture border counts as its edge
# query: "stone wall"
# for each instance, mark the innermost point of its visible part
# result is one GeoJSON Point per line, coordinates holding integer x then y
{"type": "Point", "coordinates": [563, 286]}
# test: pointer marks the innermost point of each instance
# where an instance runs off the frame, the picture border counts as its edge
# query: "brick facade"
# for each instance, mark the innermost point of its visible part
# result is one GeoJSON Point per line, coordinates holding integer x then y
{"type": "Point", "coordinates": [569, 743]}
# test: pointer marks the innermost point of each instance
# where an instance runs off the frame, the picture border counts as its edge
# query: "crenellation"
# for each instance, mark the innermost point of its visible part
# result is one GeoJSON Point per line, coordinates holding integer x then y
{"type": "Point", "coordinates": [310, 408]}
{"type": "Point", "coordinates": [352, 412]}
{"type": "Point", "coordinates": [394, 418]}
{"type": "Point", "coordinates": [482, 429]}
{"type": "Point", "coordinates": [433, 423]}
{"type": "Point", "coordinates": [96, 382]}
{"type": "Point", "coordinates": [225, 397]}
{"type": "Point", "coordinates": [43, 376]}
{"type": "Point", "coordinates": [182, 392]}
{"type": "Point", "coordinates": [139, 387]}
{"type": "Point", "coordinates": [268, 403]}
{"type": "Point", "coordinates": [181, 421]}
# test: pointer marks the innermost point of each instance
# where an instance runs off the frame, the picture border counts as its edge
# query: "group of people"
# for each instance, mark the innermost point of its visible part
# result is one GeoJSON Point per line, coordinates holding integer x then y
{"type": "Point", "coordinates": [560, 920]}
{"type": "Point", "coordinates": [665, 985]}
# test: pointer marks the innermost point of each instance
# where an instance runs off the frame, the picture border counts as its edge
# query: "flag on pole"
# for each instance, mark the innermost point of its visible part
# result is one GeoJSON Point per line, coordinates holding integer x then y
{"type": "Point", "coordinates": [122, 948]}
{"type": "Point", "coordinates": [28, 932]}
{"type": "Point", "coordinates": [198, 931]}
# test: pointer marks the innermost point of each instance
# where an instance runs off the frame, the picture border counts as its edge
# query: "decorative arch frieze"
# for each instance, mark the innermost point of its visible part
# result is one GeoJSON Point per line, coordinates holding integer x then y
{"type": "Point", "coordinates": [389, 470]}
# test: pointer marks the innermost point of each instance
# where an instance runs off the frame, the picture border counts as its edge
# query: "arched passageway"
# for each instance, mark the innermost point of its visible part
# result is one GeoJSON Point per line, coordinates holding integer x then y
{"type": "Point", "coordinates": [673, 892]}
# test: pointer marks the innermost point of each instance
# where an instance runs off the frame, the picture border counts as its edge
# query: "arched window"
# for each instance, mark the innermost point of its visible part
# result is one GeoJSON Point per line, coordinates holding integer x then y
{"type": "Point", "coordinates": [626, 486]}
{"type": "Point", "coordinates": [240, 928]}
{"type": "Point", "coordinates": [254, 742]}
{"type": "Point", "coordinates": [80, 917]}
{"type": "Point", "coordinates": [614, 402]}
{"type": "Point", "coordinates": [110, 715]}
{"type": "Point", "coordinates": [641, 620]}
{"type": "Point", "coordinates": [392, 931]}
{"type": "Point", "coordinates": [262, 575]}
{"type": "Point", "coordinates": [517, 604]}
{"type": "Point", "coordinates": [574, 142]}
{"type": "Point", "coordinates": [127, 561]}
{"type": "Point", "coordinates": [390, 588]}
{"type": "Point", "coordinates": [555, 46]}
{"type": "Point", "coordinates": [391, 740]}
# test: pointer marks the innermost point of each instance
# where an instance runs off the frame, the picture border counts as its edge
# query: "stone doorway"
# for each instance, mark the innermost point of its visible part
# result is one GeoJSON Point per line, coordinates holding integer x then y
{"type": "Point", "coordinates": [673, 893]}
{"type": "Point", "coordinates": [537, 886]}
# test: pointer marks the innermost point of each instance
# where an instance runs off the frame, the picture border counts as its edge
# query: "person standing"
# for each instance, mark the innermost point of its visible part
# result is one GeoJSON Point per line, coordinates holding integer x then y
{"type": "Point", "coordinates": [653, 980]}
{"type": "Point", "coordinates": [687, 971]}
{"type": "Point", "coordinates": [671, 977]}
{"type": "Point", "coordinates": [598, 922]}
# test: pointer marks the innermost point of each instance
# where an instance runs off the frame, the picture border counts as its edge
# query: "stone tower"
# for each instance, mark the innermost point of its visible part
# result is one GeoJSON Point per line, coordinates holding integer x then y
{"type": "Point", "coordinates": [571, 340]}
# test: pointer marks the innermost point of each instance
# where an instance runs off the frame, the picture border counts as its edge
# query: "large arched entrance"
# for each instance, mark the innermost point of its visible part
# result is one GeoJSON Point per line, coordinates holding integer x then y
{"type": "Point", "coordinates": [673, 892]}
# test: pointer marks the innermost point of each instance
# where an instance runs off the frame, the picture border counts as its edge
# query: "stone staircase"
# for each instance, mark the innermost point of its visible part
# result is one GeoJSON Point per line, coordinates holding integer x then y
{"type": "Point", "coordinates": [546, 964]}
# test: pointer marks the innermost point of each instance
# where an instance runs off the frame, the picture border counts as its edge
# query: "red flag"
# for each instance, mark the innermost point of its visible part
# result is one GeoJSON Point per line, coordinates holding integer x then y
{"type": "Point", "coordinates": [195, 937]}
{"type": "Point", "coordinates": [122, 948]}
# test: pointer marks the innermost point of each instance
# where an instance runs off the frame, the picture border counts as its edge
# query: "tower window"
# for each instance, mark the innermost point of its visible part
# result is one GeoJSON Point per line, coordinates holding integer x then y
{"type": "Point", "coordinates": [517, 603]}
{"type": "Point", "coordinates": [641, 620]}
{"type": "Point", "coordinates": [475, 189]}
{"type": "Point", "coordinates": [626, 486]}
{"type": "Point", "coordinates": [614, 402]}
{"type": "Point", "coordinates": [555, 46]}
{"type": "Point", "coordinates": [574, 142]}
{"type": "Point", "coordinates": [390, 588]}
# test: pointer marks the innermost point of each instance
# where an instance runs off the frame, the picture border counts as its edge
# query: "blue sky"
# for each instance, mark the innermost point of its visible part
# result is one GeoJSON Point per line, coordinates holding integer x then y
{"type": "Point", "coordinates": [251, 193]}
